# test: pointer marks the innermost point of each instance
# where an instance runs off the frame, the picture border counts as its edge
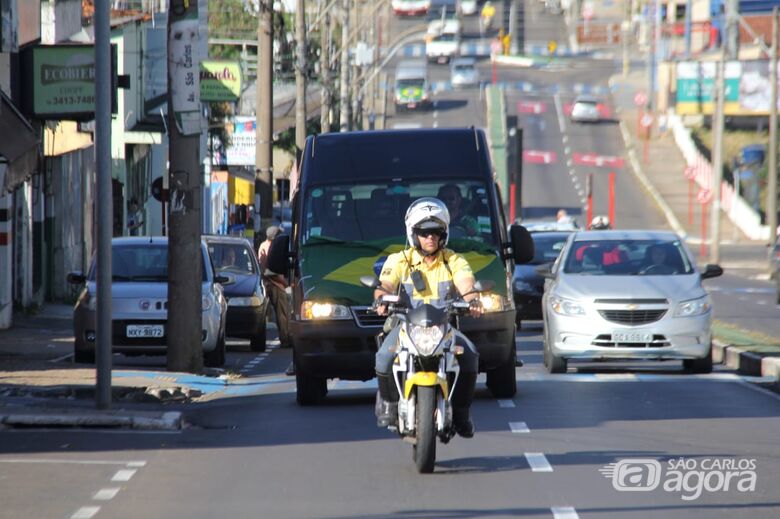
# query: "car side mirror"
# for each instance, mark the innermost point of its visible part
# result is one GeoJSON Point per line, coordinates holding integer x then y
{"type": "Point", "coordinates": [279, 255]}
{"type": "Point", "coordinates": [224, 279]}
{"type": "Point", "coordinates": [522, 244]}
{"type": "Point", "coordinates": [712, 271]}
{"type": "Point", "coordinates": [545, 271]}
{"type": "Point", "coordinates": [76, 278]}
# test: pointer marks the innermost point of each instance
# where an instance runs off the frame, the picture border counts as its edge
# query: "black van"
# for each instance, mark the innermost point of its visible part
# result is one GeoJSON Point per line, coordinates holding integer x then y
{"type": "Point", "coordinates": [348, 216]}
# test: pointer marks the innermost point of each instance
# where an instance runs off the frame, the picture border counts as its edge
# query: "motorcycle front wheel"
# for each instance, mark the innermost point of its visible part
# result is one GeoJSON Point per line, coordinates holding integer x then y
{"type": "Point", "coordinates": [425, 447]}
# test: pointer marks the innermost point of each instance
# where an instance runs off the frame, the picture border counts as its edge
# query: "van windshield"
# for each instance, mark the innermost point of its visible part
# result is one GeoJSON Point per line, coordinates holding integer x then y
{"type": "Point", "coordinates": [407, 83]}
{"type": "Point", "coordinates": [374, 212]}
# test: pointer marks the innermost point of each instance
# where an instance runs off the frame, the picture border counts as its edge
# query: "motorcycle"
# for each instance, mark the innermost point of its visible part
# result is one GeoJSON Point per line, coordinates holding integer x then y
{"type": "Point", "coordinates": [426, 368]}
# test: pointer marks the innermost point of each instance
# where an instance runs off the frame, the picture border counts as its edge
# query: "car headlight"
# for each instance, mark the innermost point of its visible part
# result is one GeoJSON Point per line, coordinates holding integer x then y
{"type": "Point", "coordinates": [492, 302]}
{"type": "Point", "coordinates": [426, 338]}
{"type": "Point", "coordinates": [523, 286]}
{"type": "Point", "coordinates": [323, 310]}
{"type": "Point", "coordinates": [566, 307]}
{"type": "Point", "coordinates": [244, 301]}
{"type": "Point", "coordinates": [90, 301]}
{"type": "Point", "coordinates": [693, 307]}
{"type": "Point", "coordinates": [206, 302]}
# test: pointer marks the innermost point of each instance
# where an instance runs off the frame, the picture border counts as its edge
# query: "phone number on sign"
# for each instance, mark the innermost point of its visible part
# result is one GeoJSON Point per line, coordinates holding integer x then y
{"type": "Point", "coordinates": [71, 100]}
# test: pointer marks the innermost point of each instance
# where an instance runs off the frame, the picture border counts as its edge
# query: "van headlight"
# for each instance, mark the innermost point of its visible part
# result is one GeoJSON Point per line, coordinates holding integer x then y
{"type": "Point", "coordinates": [693, 307]}
{"type": "Point", "coordinates": [426, 338]}
{"type": "Point", "coordinates": [491, 302]}
{"type": "Point", "coordinates": [324, 310]}
{"type": "Point", "coordinates": [566, 307]}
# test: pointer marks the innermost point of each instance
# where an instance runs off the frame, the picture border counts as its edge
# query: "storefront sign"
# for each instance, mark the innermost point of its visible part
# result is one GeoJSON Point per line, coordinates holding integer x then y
{"type": "Point", "coordinates": [220, 80]}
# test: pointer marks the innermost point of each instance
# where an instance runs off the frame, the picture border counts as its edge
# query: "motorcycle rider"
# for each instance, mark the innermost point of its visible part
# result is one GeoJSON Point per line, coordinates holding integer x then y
{"type": "Point", "coordinates": [427, 272]}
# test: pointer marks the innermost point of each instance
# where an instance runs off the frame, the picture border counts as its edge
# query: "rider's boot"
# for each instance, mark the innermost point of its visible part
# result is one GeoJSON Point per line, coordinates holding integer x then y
{"type": "Point", "coordinates": [461, 404]}
{"type": "Point", "coordinates": [387, 410]}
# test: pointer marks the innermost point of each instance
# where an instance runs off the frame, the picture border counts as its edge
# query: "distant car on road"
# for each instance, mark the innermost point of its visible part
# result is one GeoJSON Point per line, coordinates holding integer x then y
{"type": "Point", "coordinates": [627, 295]}
{"type": "Point", "coordinates": [247, 303]}
{"type": "Point", "coordinates": [139, 302]}
{"type": "Point", "coordinates": [410, 7]}
{"type": "Point", "coordinates": [585, 110]}
{"type": "Point", "coordinates": [464, 73]}
{"type": "Point", "coordinates": [468, 7]}
{"type": "Point", "coordinates": [527, 283]}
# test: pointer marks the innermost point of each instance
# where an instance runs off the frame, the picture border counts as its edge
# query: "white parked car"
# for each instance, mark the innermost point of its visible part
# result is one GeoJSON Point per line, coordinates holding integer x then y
{"type": "Point", "coordinates": [626, 295]}
{"type": "Point", "coordinates": [585, 110]}
{"type": "Point", "coordinates": [139, 302]}
{"type": "Point", "coordinates": [467, 7]}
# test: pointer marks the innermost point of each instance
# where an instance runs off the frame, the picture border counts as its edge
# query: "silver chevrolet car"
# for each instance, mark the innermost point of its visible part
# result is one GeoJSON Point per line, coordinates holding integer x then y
{"type": "Point", "coordinates": [139, 302]}
{"type": "Point", "coordinates": [626, 295]}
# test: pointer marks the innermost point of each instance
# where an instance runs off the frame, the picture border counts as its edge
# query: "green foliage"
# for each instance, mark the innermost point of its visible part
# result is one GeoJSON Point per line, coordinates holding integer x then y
{"type": "Point", "coordinates": [286, 139]}
{"type": "Point", "coordinates": [229, 19]}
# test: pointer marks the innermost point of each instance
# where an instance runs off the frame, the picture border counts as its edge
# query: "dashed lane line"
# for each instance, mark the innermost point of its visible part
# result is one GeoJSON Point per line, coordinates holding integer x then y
{"type": "Point", "coordinates": [75, 462]}
{"type": "Point", "coordinates": [124, 475]}
{"type": "Point", "coordinates": [538, 462]}
{"type": "Point", "coordinates": [519, 428]}
{"type": "Point", "coordinates": [85, 512]}
{"type": "Point", "coordinates": [506, 403]}
{"type": "Point", "coordinates": [105, 494]}
{"type": "Point", "coordinates": [564, 512]}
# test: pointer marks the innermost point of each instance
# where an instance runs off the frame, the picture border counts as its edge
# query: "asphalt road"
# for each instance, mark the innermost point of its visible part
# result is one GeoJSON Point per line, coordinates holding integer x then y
{"type": "Point", "coordinates": [676, 439]}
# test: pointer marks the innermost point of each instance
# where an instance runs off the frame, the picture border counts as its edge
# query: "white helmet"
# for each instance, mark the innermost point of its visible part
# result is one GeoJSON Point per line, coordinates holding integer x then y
{"type": "Point", "coordinates": [427, 213]}
{"type": "Point", "coordinates": [600, 223]}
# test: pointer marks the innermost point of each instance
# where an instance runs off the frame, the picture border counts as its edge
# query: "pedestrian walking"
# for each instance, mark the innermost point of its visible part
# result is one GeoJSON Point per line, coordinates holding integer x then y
{"type": "Point", "coordinates": [276, 287]}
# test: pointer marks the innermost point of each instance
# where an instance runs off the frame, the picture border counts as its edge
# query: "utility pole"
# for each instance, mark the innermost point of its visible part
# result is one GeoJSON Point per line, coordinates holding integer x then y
{"type": "Point", "coordinates": [185, 261]}
{"type": "Point", "coordinates": [300, 76]}
{"type": "Point", "coordinates": [325, 73]}
{"type": "Point", "coordinates": [356, 75]}
{"type": "Point", "coordinates": [732, 29]}
{"type": "Point", "coordinates": [264, 118]}
{"type": "Point", "coordinates": [717, 158]}
{"type": "Point", "coordinates": [626, 26]}
{"type": "Point", "coordinates": [344, 115]}
{"type": "Point", "coordinates": [104, 204]}
{"type": "Point", "coordinates": [771, 185]}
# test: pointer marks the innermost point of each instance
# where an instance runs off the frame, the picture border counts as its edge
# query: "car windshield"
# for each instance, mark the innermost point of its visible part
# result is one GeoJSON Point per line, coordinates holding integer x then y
{"type": "Point", "coordinates": [374, 212]}
{"type": "Point", "coordinates": [232, 257]}
{"type": "Point", "coordinates": [547, 247]}
{"type": "Point", "coordinates": [464, 68]}
{"type": "Point", "coordinates": [139, 263]}
{"type": "Point", "coordinates": [445, 37]}
{"type": "Point", "coordinates": [627, 258]}
{"type": "Point", "coordinates": [588, 103]}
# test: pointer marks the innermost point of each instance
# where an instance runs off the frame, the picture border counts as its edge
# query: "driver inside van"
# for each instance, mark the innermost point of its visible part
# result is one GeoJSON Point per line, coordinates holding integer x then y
{"type": "Point", "coordinates": [461, 224]}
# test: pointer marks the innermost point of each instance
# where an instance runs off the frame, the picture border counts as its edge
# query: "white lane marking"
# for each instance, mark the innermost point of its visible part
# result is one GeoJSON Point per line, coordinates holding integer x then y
{"type": "Point", "coordinates": [577, 184]}
{"type": "Point", "coordinates": [569, 162]}
{"type": "Point", "coordinates": [617, 376]}
{"type": "Point", "coordinates": [559, 110]}
{"type": "Point", "coordinates": [123, 475]}
{"type": "Point", "coordinates": [90, 431]}
{"type": "Point", "coordinates": [584, 200]}
{"type": "Point", "coordinates": [571, 172]}
{"type": "Point", "coordinates": [435, 114]}
{"type": "Point", "coordinates": [85, 512]}
{"type": "Point", "coordinates": [565, 139]}
{"type": "Point", "coordinates": [761, 302]}
{"type": "Point", "coordinates": [404, 126]}
{"type": "Point", "coordinates": [564, 512]}
{"type": "Point", "coordinates": [435, 124]}
{"type": "Point", "coordinates": [519, 427]}
{"type": "Point", "coordinates": [567, 150]}
{"type": "Point", "coordinates": [75, 462]}
{"type": "Point", "coordinates": [60, 359]}
{"type": "Point", "coordinates": [538, 462]}
{"type": "Point", "coordinates": [581, 192]}
{"type": "Point", "coordinates": [105, 494]}
{"type": "Point", "coordinates": [506, 403]}
{"type": "Point", "coordinates": [762, 390]}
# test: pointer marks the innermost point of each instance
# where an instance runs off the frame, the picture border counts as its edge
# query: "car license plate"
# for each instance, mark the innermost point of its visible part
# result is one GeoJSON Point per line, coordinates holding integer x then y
{"type": "Point", "coordinates": [638, 337]}
{"type": "Point", "coordinates": [145, 330]}
{"type": "Point", "coordinates": [411, 105]}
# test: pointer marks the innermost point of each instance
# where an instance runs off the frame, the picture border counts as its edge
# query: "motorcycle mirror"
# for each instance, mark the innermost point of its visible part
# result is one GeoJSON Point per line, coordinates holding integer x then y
{"type": "Point", "coordinates": [369, 281]}
{"type": "Point", "coordinates": [484, 285]}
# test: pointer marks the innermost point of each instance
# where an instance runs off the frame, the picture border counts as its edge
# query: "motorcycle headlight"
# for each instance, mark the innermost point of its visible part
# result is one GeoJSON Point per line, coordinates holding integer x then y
{"type": "Point", "coordinates": [426, 338]}
{"type": "Point", "coordinates": [693, 307]}
{"type": "Point", "coordinates": [244, 301]}
{"type": "Point", "coordinates": [492, 302]}
{"type": "Point", "coordinates": [206, 303]}
{"type": "Point", "coordinates": [324, 310]}
{"type": "Point", "coordinates": [566, 307]}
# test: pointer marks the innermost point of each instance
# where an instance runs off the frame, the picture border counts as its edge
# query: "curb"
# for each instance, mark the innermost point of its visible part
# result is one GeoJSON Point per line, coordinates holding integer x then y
{"type": "Point", "coordinates": [168, 421]}
{"type": "Point", "coordinates": [640, 174]}
{"type": "Point", "coordinates": [746, 362]}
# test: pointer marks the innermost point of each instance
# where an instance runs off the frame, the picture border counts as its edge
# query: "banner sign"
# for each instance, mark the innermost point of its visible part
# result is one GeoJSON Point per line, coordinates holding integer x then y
{"type": "Point", "coordinates": [242, 149]}
{"type": "Point", "coordinates": [64, 80]}
{"type": "Point", "coordinates": [747, 87]}
{"type": "Point", "coordinates": [220, 80]}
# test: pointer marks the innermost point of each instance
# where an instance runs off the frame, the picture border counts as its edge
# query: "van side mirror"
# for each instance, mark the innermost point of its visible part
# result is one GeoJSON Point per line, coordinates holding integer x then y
{"type": "Point", "coordinates": [225, 279]}
{"type": "Point", "coordinates": [76, 278]}
{"type": "Point", "coordinates": [522, 244]}
{"type": "Point", "coordinates": [712, 271]}
{"type": "Point", "coordinates": [279, 255]}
